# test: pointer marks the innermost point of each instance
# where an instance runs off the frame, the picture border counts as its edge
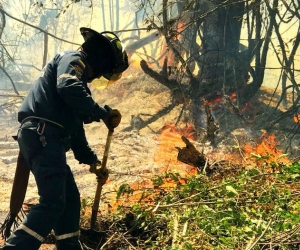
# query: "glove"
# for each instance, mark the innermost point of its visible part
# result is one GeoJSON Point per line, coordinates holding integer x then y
{"type": "Point", "coordinates": [112, 119]}
{"type": "Point", "coordinates": [102, 174]}
{"type": "Point", "coordinates": [93, 166]}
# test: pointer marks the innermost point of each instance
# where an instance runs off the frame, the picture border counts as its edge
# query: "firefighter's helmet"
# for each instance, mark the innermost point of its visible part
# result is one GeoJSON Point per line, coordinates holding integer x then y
{"type": "Point", "coordinates": [108, 45]}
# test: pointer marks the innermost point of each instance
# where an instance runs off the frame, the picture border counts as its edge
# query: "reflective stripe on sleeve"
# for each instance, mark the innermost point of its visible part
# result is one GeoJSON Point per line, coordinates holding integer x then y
{"type": "Point", "coordinates": [31, 232]}
{"type": "Point", "coordinates": [65, 236]}
{"type": "Point", "coordinates": [67, 76]}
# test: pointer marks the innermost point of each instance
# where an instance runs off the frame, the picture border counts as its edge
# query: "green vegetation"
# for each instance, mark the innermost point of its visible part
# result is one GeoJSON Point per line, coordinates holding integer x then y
{"type": "Point", "coordinates": [252, 209]}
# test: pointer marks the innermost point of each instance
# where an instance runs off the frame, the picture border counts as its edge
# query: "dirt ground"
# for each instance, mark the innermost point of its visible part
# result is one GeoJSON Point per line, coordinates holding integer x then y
{"type": "Point", "coordinates": [135, 154]}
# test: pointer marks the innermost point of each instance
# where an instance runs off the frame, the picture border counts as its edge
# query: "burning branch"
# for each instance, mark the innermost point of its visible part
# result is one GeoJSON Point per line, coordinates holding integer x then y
{"type": "Point", "coordinates": [190, 155]}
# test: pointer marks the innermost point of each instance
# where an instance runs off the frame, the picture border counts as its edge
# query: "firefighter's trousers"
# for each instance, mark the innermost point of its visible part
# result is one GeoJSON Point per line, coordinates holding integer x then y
{"type": "Point", "coordinates": [59, 204]}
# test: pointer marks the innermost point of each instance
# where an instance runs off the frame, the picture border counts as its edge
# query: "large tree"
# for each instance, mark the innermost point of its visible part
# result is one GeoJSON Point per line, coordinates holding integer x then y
{"type": "Point", "coordinates": [213, 60]}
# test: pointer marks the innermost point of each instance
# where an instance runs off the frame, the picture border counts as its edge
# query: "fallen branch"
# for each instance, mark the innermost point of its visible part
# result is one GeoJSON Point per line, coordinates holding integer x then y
{"type": "Point", "coordinates": [190, 155]}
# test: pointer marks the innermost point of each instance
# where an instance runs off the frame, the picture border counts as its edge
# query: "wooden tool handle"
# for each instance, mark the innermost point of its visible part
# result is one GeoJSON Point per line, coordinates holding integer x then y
{"type": "Point", "coordinates": [106, 149]}
{"type": "Point", "coordinates": [100, 184]}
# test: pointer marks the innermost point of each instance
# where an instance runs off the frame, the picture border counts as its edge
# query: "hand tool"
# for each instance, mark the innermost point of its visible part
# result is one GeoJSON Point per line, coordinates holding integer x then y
{"type": "Point", "coordinates": [100, 182]}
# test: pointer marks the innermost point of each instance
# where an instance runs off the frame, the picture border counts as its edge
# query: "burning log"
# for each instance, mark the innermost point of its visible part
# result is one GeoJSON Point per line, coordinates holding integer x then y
{"type": "Point", "coordinates": [190, 155]}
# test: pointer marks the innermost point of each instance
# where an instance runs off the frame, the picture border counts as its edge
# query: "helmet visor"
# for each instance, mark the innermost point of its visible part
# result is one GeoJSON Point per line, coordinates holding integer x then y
{"type": "Point", "coordinates": [112, 78]}
{"type": "Point", "coordinates": [100, 83]}
{"type": "Point", "coordinates": [105, 81]}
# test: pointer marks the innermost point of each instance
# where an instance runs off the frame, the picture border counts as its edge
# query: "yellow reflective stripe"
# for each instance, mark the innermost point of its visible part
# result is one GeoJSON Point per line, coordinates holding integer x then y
{"type": "Point", "coordinates": [81, 62]}
{"type": "Point", "coordinates": [31, 232]}
{"type": "Point", "coordinates": [67, 76]}
{"type": "Point", "coordinates": [65, 236]}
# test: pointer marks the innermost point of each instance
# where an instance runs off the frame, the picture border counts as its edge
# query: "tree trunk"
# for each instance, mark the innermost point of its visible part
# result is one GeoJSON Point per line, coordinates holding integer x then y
{"type": "Point", "coordinates": [220, 47]}
{"type": "Point", "coordinates": [220, 72]}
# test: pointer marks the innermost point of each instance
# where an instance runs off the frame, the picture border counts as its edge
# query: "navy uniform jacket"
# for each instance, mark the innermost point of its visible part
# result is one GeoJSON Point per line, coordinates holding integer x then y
{"type": "Point", "coordinates": [61, 94]}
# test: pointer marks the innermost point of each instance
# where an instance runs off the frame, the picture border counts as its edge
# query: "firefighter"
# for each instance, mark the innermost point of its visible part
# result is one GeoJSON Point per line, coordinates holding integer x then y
{"type": "Point", "coordinates": [52, 116]}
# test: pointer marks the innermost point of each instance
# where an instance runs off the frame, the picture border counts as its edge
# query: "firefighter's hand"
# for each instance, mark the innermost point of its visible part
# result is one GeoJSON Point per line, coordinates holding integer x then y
{"type": "Point", "coordinates": [112, 119]}
{"type": "Point", "coordinates": [93, 166]}
{"type": "Point", "coordinates": [102, 174]}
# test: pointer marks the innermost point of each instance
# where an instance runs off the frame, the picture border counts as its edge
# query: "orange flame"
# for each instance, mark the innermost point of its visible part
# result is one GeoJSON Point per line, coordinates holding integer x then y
{"type": "Point", "coordinates": [296, 118]}
{"type": "Point", "coordinates": [166, 159]}
{"type": "Point", "coordinates": [267, 148]}
{"type": "Point", "coordinates": [178, 36]}
{"type": "Point", "coordinates": [166, 154]}
{"type": "Point", "coordinates": [218, 99]}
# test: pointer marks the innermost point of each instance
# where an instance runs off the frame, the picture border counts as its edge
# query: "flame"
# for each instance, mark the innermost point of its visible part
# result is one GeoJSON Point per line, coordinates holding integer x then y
{"type": "Point", "coordinates": [178, 36]}
{"type": "Point", "coordinates": [166, 153]}
{"type": "Point", "coordinates": [219, 99]}
{"type": "Point", "coordinates": [233, 97]}
{"type": "Point", "coordinates": [247, 105]}
{"type": "Point", "coordinates": [296, 118]}
{"type": "Point", "coordinates": [216, 100]}
{"type": "Point", "coordinates": [268, 149]}
{"type": "Point", "coordinates": [166, 158]}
